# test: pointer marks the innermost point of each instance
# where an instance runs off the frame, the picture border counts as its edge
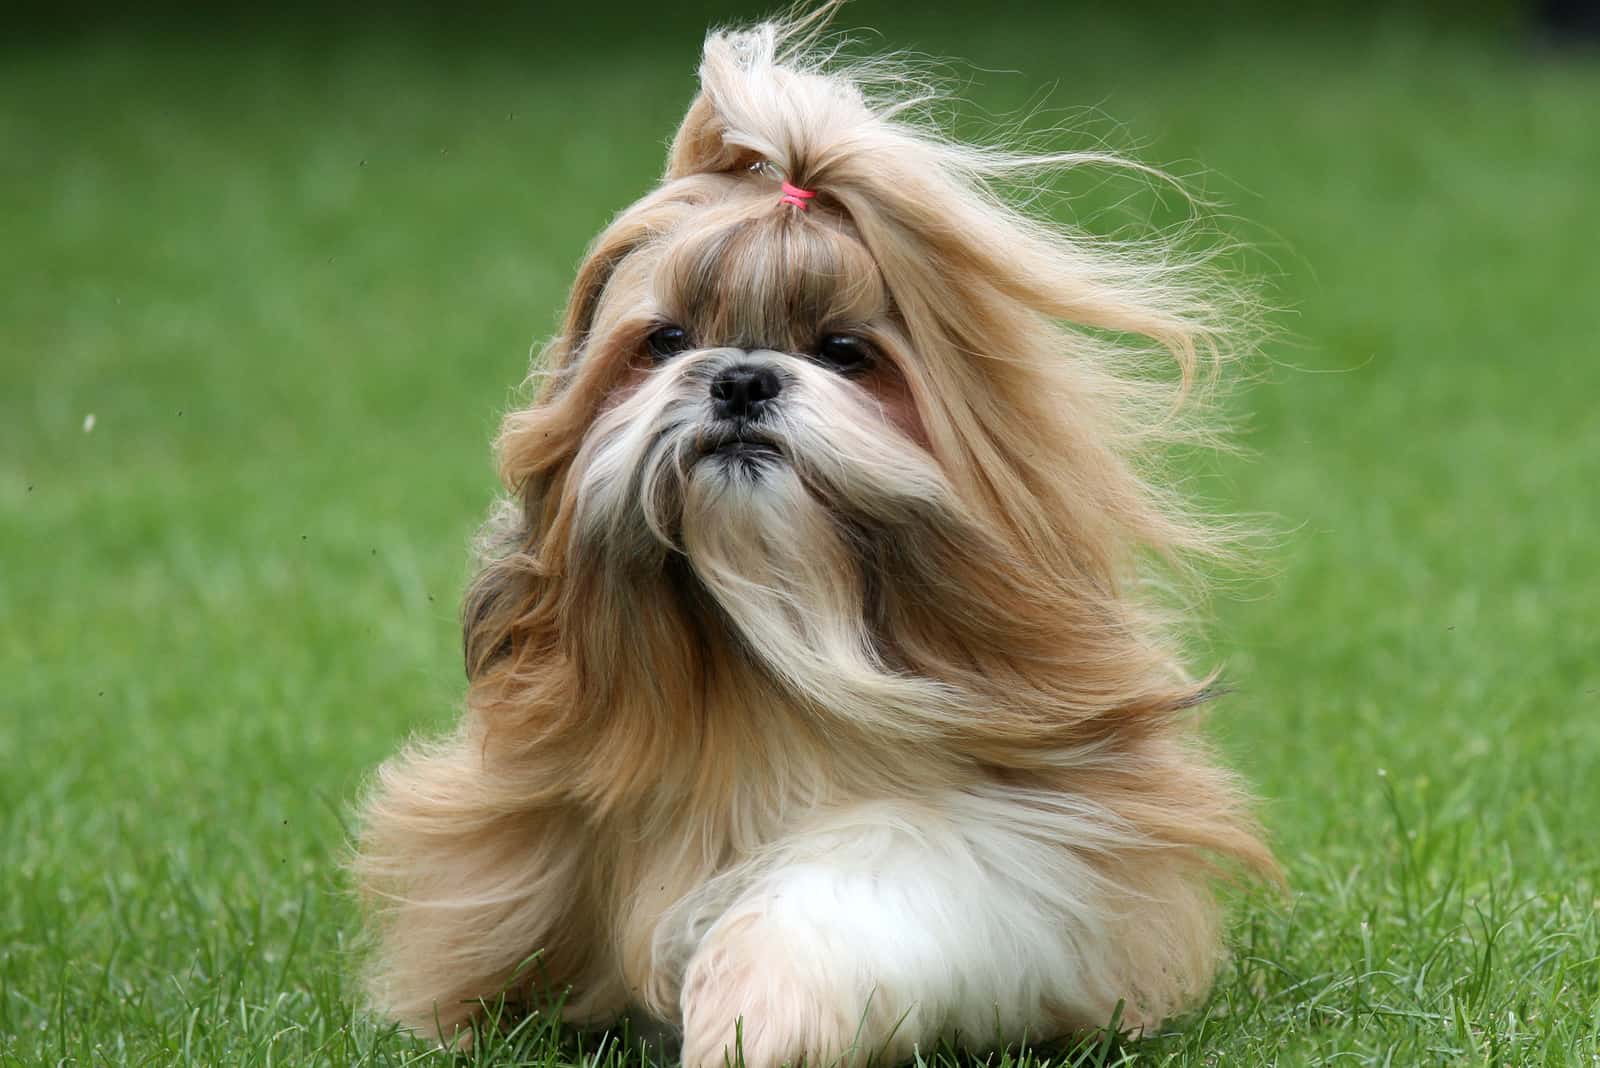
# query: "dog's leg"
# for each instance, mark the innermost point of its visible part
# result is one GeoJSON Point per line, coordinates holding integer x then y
{"type": "Point", "coordinates": [899, 923]}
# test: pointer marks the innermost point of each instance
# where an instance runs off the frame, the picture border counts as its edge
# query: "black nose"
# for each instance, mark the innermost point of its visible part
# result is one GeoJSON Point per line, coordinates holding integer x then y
{"type": "Point", "coordinates": [743, 390]}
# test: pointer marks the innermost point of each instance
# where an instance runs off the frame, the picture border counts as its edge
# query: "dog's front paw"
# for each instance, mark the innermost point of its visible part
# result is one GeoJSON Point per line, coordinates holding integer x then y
{"type": "Point", "coordinates": [747, 990]}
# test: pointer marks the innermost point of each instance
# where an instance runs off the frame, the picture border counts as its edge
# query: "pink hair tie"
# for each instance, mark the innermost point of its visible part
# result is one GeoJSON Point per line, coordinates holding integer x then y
{"type": "Point", "coordinates": [793, 194]}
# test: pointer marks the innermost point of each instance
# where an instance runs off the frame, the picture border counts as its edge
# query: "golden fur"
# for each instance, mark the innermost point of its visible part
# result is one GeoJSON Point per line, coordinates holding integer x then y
{"type": "Point", "coordinates": [881, 740]}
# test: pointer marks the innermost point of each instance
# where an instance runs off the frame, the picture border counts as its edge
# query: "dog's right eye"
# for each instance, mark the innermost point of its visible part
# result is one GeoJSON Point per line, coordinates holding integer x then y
{"type": "Point", "coordinates": [667, 341]}
{"type": "Point", "coordinates": [845, 353]}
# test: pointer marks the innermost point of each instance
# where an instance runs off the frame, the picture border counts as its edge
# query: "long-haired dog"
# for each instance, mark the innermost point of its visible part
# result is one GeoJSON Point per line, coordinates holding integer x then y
{"type": "Point", "coordinates": [814, 691]}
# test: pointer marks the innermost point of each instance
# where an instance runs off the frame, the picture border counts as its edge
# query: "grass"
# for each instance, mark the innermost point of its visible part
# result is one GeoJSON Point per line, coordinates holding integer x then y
{"type": "Point", "coordinates": [294, 271]}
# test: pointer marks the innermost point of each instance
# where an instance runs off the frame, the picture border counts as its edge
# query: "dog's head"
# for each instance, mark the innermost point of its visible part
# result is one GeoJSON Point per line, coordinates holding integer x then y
{"type": "Point", "coordinates": [825, 405]}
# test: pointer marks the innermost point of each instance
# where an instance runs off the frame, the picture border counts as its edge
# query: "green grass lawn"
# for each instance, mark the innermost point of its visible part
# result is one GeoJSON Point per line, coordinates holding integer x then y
{"type": "Point", "coordinates": [294, 275]}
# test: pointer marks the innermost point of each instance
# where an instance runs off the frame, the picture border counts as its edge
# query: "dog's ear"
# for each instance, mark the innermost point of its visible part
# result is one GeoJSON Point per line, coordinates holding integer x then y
{"type": "Point", "coordinates": [536, 444]}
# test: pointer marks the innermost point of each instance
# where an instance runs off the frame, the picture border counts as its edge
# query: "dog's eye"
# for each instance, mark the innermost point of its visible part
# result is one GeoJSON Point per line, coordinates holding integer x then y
{"type": "Point", "coordinates": [845, 353]}
{"type": "Point", "coordinates": [667, 341]}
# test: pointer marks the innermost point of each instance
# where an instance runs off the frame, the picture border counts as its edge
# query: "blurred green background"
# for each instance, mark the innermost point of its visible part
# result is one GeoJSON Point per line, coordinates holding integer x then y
{"type": "Point", "coordinates": [292, 264]}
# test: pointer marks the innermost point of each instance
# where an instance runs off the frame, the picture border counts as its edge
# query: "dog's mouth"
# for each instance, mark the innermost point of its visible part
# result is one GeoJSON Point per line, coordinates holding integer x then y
{"type": "Point", "coordinates": [742, 443]}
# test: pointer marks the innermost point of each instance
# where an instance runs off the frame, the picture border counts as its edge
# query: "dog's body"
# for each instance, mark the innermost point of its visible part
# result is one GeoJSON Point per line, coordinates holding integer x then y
{"type": "Point", "coordinates": [810, 687]}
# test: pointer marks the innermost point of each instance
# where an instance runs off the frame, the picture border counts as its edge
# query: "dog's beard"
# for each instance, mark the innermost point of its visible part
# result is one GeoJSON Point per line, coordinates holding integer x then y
{"type": "Point", "coordinates": [779, 518]}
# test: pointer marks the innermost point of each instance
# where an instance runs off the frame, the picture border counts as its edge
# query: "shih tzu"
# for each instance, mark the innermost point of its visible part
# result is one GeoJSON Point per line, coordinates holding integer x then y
{"type": "Point", "coordinates": [816, 694]}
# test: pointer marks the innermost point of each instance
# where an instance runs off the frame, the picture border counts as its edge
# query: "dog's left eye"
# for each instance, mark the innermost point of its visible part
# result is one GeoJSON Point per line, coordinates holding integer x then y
{"type": "Point", "coordinates": [844, 353]}
{"type": "Point", "coordinates": [667, 341]}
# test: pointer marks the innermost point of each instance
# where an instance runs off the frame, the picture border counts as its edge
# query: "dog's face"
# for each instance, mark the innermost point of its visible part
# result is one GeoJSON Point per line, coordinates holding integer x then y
{"type": "Point", "coordinates": [757, 387]}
